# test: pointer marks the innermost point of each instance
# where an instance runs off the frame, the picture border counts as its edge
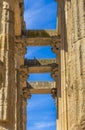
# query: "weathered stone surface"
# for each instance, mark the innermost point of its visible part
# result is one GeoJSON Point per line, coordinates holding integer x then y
{"type": "Point", "coordinates": [41, 62]}
{"type": "Point", "coordinates": [41, 85]}
{"type": "Point", "coordinates": [72, 65]}
{"type": "Point", "coordinates": [68, 71]}
{"type": "Point", "coordinates": [39, 33]}
{"type": "Point", "coordinates": [38, 41]}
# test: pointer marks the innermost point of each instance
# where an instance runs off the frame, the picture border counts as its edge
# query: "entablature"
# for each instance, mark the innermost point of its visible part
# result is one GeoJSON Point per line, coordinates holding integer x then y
{"type": "Point", "coordinates": [41, 62]}
{"type": "Point", "coordinates": [38, 69]}
{"type": "Point", "coordinates": [41, 85]}
{"type": "Point", "coordinates": [38, 41]}
{"type": "Point", "coordinates": [40, 88]}
{"type": "Point", "coordinates": [39, 33]}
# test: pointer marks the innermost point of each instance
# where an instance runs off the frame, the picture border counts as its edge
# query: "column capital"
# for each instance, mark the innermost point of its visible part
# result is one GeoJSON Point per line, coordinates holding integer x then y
{"type": "Point", "coordinates": [23, 76]}
{"type": "Point", "coordinates": [56, 39]}
{"type": "Point", "coordinates": [54, 92]}
{"type": "Point", "coordinates": [20, 48]}
{"type": "Point", "coordinates": [26, 93]}
{"type": "Point", "coordinates": [56, 48]}
{"type": "Point", "coordinates": [54, 73]}
{"type": "Point", "coordinates": [56, 44]}
{"type": "Point", "coordinates": [23, 73]}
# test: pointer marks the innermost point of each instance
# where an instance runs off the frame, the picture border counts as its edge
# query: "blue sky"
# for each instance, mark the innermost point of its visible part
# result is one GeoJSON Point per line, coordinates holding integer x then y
{"type": "Point", "coordinates": [40, 14]}
{"type": "Point", "coordinates": [41, 111]}
{"type": "Point", "coordinates": [39, 77]}
{"type": "Point", "coordinates": [39, 52]}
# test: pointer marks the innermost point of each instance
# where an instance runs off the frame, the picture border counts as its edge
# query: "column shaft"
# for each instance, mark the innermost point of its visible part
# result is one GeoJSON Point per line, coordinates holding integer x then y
{"type": "Point", "coordinates": [7, 91]}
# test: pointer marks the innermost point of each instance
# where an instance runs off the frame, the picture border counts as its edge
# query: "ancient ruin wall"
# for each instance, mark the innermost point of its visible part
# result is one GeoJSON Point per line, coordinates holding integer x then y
{"type": "Point", "coordinates": [7, 90]}
{"type": "Point", "coordinates": [72, 102]}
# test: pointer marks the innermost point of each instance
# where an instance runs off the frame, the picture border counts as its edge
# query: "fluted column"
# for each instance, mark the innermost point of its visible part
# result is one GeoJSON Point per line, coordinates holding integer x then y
{"type": "Point", "coordinates": [0, 14]}
{"type": "Point", "coordinates": [23, 104]}
{"type": "Point", "coordinates": [22, 75]}
{"type": "Point", "coordinates": [81, 49]}
{"type": "Point", "coordinates": [75, 63]}
{"type": "Point", "coordinates": [78, 56]}
{"type": "Point", "coordinates": [1, 74]}
{"type": "Point", "coordinates": [56, 47]}
{"type": "Point", "coordinates": [19, 18]}
{"type": "Point", "coordinates": [20, 50]}
{"type": "Point", "coordinates": [7, 91]}
{"type": "Point", "coordinates": [62, 106]}
{"type": "Point", "coordinates": [82, 63]}
{"type": "Point", "coordinates": [23, 115]}
{"type": "Point", "coordinates": [24, 94]}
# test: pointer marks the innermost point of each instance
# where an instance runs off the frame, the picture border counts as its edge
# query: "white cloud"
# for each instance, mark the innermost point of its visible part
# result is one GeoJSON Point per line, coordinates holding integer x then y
{"type": "Point", "coordinates": [44, 124]}
{"type": "Point", "coordinates": [41, 125]}
{"type": "Point", "coordinates": [40, 101]}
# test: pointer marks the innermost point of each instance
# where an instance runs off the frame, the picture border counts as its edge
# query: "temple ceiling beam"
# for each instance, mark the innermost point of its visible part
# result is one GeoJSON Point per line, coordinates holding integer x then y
{"type": "Point", "coordinates": [41, 62]}
{"type": "Point", "coordinates": [38, 41]}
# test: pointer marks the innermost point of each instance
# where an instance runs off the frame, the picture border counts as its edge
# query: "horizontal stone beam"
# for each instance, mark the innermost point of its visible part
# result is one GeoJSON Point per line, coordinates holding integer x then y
{"type": "Point", "coordinates": [40, 33]}
{"type": "Point", "coordinates": [37, 69]}
{"type": "Point", "coordinates": [40, 91]}
{"type": "Point", "coordinates": [38, 41]}
{"type": "Point", "coordinates": [41, 85]}
{"type": "Point", "coordinates": [44, 91]}
{"type": "Point", "coordinates": [40, 69]}
{"type": "Point", "coordinates": [40, 62]}
{"type": "Point", "coordinates": [26, 70]}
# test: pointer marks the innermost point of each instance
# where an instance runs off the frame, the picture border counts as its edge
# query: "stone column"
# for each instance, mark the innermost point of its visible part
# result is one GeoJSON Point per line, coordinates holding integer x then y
{"type": "Point", "coordinates": [19, 17]}
{"type": "Point", "coordinates": [62, 105]}
{"type": "Point", "coordinates": [23, 73]}
{"type": "Point", "coordinates": [23, 111]}
{"type": "Point", "coordinates": [7, 91]}
{"type": "Point", "coordinates": [75, 69]}
{"type": "Point", "coordinates": [56, 74]}
{"type": "Point", "coordinates": [56, 47]}
{"type": "Point", "coordinates": [20, 50]}
{"type": "Point", "coordinates": [21, 77]}
{"type": "Point", "coordinates": [26, 95]}
{"type": "Point", "coordinates": [23, 104]}
{"type": "Point", "coordinates": [78, 46]}
{"type": "Point", "coordinates": [0, 14]}
{"type": "Point", "coordinates": [1, 74]}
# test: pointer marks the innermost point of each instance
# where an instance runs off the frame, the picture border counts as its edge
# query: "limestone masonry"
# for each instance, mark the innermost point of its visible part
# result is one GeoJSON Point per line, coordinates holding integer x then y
{"type": "Point", "coordinates": [68, 69]}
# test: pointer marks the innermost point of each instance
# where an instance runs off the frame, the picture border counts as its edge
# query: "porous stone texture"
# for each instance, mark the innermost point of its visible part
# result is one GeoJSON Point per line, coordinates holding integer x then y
{"type": "Point", "coordinates": [68, 69]}
{"type": "Point", "coordinates": [71, 104]}
{"type": "Point", "coordinates": [7, 90]}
